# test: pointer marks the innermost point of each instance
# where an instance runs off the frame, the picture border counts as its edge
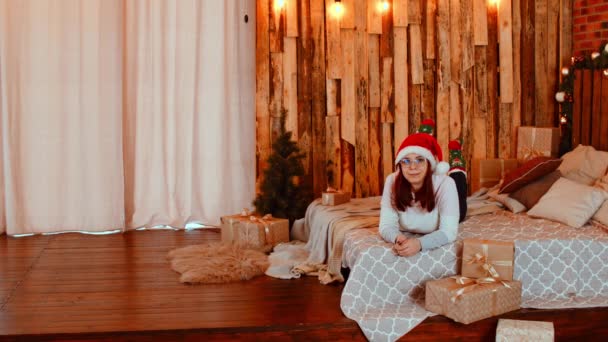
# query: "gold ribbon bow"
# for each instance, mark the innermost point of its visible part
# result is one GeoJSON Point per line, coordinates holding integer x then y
{"type": "Point", "coordinates": [470, 283]}
{"type": "Point", "coordinates": [263, 221]}
{"type": "Point", "coordinates": [530, 153]}
{"type": "Point", "coordinates": [486, 264]}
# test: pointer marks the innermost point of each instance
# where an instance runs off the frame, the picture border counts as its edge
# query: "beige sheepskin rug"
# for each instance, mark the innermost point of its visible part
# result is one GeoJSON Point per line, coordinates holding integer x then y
{"type": "Point", "coordinates": [217, 262]}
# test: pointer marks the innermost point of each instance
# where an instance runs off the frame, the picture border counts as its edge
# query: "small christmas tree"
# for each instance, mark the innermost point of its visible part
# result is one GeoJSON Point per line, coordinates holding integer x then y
{"type": "Point", "coordinates": [282, 193]}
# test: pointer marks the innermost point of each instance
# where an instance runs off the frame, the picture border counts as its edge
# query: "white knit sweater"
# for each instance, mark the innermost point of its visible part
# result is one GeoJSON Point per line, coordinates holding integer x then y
{"type": "Point", "coordinates": [440, 226]}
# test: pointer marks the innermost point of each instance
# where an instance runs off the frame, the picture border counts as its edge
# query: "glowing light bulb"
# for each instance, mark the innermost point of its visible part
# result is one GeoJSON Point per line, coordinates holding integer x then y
{"type": "Point", "coordinates": [383, 6]}
{"type": "Point", "coordinates": [338, 10]}
{"type": "Point", "coordinates": [563, 120]}
{"type": "Point", "coordinates": [606, 72]}
{"type": "Point", "coordinates": [565, 71]}
{"type": "Point", "coordinates": [279, 4]}
{"type": "Point", "coordinates": [595, 55]}
{"type": "Point", "coordinates": [494, 2]}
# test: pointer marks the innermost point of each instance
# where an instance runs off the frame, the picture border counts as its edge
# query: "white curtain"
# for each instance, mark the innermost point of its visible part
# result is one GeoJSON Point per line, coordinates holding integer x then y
{"type": "Point", "coordinates": [122, 114]}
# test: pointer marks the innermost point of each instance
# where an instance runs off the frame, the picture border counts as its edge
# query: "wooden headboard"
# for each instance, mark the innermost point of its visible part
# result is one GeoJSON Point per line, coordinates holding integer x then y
{"type": "Point", "coordinates": [590, 109]}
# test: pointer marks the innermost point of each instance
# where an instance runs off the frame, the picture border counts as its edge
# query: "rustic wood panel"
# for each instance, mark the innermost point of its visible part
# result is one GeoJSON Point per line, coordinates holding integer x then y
{"type": "Point", "coordinates": [386, 115]}
{"type": "Point", "coordinates": [348, 18]}
{"type": "Point", "coordinates": [375, 152]}
{"type": "Point", "coordinates": [565, 32]}
{"type": "Point", "coordinates": [540, 64]}
{"type": "Point", "coordinates": [596, 122]}
{"type": "Point", "coordinates": [480, 106]}
{"type": "Point", "coordinates": [516, 119]}
{"type": "Point", "coordinates": [480, 22]}
{"type": "Point", "coordinates": [400, 15]}
{"type": "Point", "coordinates": [604, 114]}
{"type": "Point", "coordinates": [362, 148]}
{"type": "Point", "coordinates": [333, 151]}
{"type": "Point", "coordinates": [528, 106]}
{"type": "Point", "coordinates": [414, 12]}
{"type": "Point", "coordinates": [416, 54]}
{"type": "Point", "coordinates": [262, 87]}
{"type": "Point", "coordinates": [468, 46]}
{"type": "Point", "coordinates": [386, 38]}
{"type": "Point", "coordinates": [415, 107]}
{"type": "Point", "coordinates": [577, 109]}
{"type": "Point", "coordinates": [553, 51]}
{"type": "Point", "coordinates": [276, 29]}
{"type": "Point", "coordinates": [401, 85]}
{"type": "Point", "coordinates": [290, 85]}
{"type": "Point", "coordinates": [444, 74]}
{"type": "Point", "coordinates": [334, 48]}
{"type": "Point", "coordinates": [347, 124]}
{"type": "Point", "coordinates": [428, 90]}
{"type": "Point", "coordinates": [450, 74]}
{"type": "Point", "coordinates": [455, 41]}
{"type": "Point", "coordinates": [586, 106]}
{"type": "Point", "coordinates": [429, 25]}
{"type": "Point", "coordinates": [374, 17]}
{"type": "Point", "coordinates": [387, 149]}
{"type": "Point", "coordinates": [319, 110]}
{"type": "Point", "coordinates": [505, 31]}
{"type": "Point", "coordinates": [374, 71]}
{"type": "Point", "coordinates": [348, 167]}
{"type": "Point", "coordinates": [491, 67]}
{"type": "Point", "coordinates": [305, 49]}
{"type": "Point", "coordinates": [291, 18]}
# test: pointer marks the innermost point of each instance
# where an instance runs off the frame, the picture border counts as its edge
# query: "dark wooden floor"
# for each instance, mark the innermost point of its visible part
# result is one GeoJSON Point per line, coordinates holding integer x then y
{"type": "Point", "coordinates": [120, 287]}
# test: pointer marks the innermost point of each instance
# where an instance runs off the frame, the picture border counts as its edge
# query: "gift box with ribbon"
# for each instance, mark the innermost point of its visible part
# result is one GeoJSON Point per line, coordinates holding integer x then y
{"type": "Point", "coordinates": [487, 258]}
{"type": "Point", "coordinates": [254, 231]}
{"type": "Point", "coordinates": [535, 142]}
{"type": "Point", "coordinates": [467, 300]}
{"type": "Point", "coordinates": [485, 173]}
{"type": "Point", "coordinates": [332, 196]}
{"type": "Point", "coordinates": [511, 330]}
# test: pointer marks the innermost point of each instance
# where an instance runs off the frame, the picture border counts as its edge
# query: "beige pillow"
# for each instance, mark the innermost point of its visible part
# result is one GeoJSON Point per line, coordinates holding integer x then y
{"type": "Point", "coordinates": [602, 183]}
{"type": "Point", "coordinates": [584, 164]}
{"type": "Point", "coordinates": [569, 202]}
{"type": "Point", "coordinates": [512, 204]}
{"type": "Point", "coordinates": [601, 215]}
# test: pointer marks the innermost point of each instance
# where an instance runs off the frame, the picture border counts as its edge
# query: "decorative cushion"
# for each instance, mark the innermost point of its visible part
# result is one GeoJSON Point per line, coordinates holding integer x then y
{"type": "Point", "coordinates": [584, 164]}
{"type": "Point", "coordinates": [510, 203]}
{"type": "Point", "coordinates": [601, 215]}
{"type": "Point", "coordinates": [528, 172]}
{"type": "Point", "coordinates": [569, 202]}
{"type": "Point", "coordinates": [529, 194]}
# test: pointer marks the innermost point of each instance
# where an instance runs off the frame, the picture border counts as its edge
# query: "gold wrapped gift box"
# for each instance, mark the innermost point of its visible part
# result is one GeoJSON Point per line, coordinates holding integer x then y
{"type": "Point", "coordinates": [511, 330]}
{"type": "Point", "coordinates": [537, 142]}
{"type": "Point", "coordinates": [467, 300]}
{"type": "Point", "coordinates": [335, 197]}
{"type": "Point", "coordinates": [487, 258]}
{"type": "Point", "coordinates": [485, 173]}
{"type": "Point", "coordinates": [254, 231]}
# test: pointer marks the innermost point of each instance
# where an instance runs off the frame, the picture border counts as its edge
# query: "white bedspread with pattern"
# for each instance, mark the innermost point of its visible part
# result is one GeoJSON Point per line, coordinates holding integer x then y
{"type": "Point", "coordinates": [559, 267]}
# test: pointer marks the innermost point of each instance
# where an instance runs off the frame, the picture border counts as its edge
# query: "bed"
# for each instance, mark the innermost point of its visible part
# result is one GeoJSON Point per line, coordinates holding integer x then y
{"type": "Point", "coordinates": [559, 267]}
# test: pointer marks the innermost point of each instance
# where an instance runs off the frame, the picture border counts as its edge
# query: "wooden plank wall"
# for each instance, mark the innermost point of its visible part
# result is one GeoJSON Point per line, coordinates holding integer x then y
{"type": "Point", "coordinates": [355, 85]}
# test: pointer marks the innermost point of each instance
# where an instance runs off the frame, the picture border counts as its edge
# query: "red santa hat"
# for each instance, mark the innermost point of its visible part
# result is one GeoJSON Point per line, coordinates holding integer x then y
{"type": "Point", "coordinates": [425, 145]}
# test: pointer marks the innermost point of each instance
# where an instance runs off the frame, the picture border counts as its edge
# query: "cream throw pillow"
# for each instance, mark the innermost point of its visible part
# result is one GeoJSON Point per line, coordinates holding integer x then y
{"type": "Point", "coordinates": [510, 203]}
{"type": "Point", "coordinates": [601, 215]}
{"type": "Point", "coordinates": [584, 164]}
{"type": "Point", "coordinates": [569, 202]}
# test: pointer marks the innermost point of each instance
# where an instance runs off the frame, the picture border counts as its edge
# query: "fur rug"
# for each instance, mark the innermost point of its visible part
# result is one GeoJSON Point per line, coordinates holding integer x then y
{"type": "Point", "coordinates": [217, 262]}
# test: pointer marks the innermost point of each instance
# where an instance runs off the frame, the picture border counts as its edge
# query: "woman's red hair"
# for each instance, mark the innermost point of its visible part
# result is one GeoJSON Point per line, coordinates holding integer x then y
{"type": "Point", "coordinates": [402, 192]}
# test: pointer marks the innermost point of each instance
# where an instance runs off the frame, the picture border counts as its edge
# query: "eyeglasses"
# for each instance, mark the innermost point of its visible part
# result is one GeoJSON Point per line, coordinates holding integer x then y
{"type": "Point", "coordinates": [415, 163]}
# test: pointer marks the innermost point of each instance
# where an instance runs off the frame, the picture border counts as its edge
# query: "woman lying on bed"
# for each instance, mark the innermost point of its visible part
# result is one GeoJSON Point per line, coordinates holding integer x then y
{"type": "Point", "coordinates": [419, 197]}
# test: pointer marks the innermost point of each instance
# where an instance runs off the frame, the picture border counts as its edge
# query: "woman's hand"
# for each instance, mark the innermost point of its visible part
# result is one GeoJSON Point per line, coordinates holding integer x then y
{"type": "Point", "coordinates": [406, 247]}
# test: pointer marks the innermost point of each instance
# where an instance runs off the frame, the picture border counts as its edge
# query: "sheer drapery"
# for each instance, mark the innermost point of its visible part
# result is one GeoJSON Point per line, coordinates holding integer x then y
{"type": "Point", "coordinates": [119, 114]}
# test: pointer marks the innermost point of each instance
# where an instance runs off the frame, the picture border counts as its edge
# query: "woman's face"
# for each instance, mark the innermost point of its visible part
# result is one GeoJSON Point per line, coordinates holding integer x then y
{"type": "Point", "coordinates": [414, 168]}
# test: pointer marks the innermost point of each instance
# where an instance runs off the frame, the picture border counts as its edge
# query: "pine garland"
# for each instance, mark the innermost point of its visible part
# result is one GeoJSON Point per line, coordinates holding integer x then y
{"type": "Point", "coordinates": [594, 61]}
{"type": "Point", "coordinates": [283, 192]}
